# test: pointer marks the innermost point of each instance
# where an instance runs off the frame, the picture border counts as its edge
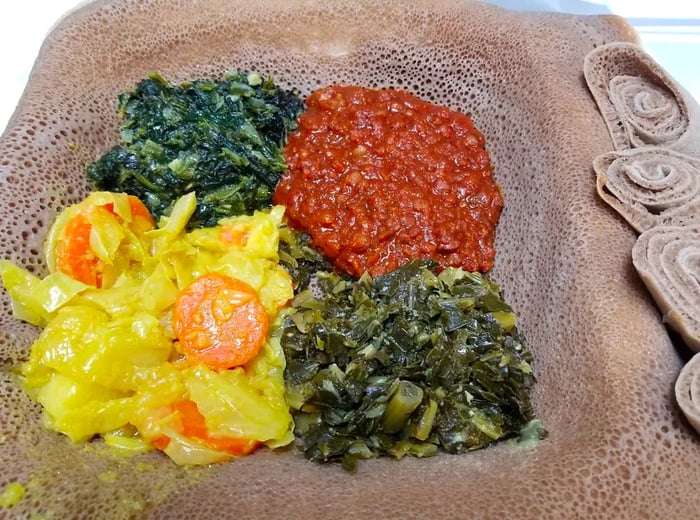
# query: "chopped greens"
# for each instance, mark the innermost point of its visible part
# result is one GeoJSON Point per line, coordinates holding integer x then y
{"type": "Point", "coordinates": [222, 140]}
{"type": "Point", "coordinates": [299, 257]}
{"type": "Point", "coordinates": [405, 364]}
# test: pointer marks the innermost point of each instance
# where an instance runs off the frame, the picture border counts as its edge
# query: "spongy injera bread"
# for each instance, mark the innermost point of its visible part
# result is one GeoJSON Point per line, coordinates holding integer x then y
{"type": "Point", "coordinates": [640, 102]}
{"type": "Point", "coordinates": [617, 445]}
{"type": "Point", "coordinates": [650, 186]}
{"type": "Point", "coordinates": [666, 258]}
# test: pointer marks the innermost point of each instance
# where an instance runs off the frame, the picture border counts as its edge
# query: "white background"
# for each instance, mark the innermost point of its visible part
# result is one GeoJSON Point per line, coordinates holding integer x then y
{"type": "Point", "coordinates": [669, 29]}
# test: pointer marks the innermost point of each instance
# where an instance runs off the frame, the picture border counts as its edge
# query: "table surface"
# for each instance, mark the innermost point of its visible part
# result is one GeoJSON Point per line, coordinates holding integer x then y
{"type": "Point", "coordinates": [669, 30]}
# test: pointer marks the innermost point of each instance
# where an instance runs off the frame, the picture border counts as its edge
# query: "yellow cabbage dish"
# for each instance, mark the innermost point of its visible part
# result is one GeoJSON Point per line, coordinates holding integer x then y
{"type": "Point", "coordinates": [107, 362]}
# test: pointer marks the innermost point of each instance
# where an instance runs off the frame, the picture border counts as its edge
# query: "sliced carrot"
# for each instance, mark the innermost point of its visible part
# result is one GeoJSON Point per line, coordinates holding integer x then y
{"type": "Point", "coordinates": [74, 256]}
{"type": "Point", "coordinates": [219, 321]}
{"type": "Point", "coordinates": [192, 420]}
{"type": "Point", "coordinates": [141, 218]}
{"type": "Point", "coordinates": [234, 235]}
{"type": "Point", "coordinates": [161, 442]}
{"type": "Point", "coordinates": [139, 209]}
{"type": "Point", "coordinates": [193, 426]}
{"type": "Point", "coordinates": [233, 446]}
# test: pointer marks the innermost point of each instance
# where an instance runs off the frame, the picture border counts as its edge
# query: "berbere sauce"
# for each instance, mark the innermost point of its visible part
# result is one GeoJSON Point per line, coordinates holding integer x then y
{"type": "Point", "coordinates": [379, 177]}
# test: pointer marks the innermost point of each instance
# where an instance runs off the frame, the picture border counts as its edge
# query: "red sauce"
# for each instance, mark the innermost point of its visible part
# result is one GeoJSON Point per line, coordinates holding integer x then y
{"type": "Point", "coordinates": [379, 177]}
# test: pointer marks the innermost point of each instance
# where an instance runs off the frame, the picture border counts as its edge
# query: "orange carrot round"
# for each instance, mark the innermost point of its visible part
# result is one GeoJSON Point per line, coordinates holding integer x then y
{"type": "Point", "coordinates": [219, 321]}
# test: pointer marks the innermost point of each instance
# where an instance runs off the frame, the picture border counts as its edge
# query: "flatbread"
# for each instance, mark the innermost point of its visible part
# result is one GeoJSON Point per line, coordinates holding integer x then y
{"type": "Point", "coordinates": [641, 103]}
{"type": "Point", "coordinates": [668, 260]}
{"type": "Point", "coordinates": [650, 186]}
{"type": "Point", "coordinates": [618, 446]}
{"type": "Point", "coordinates": [688, 391]}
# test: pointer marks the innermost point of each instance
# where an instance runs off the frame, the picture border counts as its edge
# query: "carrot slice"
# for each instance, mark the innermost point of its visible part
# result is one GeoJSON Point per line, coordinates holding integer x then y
{"type": "Point", "coordinates": [234, 235]}
{"type": "Point", "coordinates": [219, 321]}
{"type": "Point", "coordinates": [161, 442]}
{"type": "Point", "coordinates": [74, 256]}
{"type": "Point", "coordinates": [192, 420]}
{"type": "Point", "coordinates": [233, 446]}
{"type": "Point", "coordinates": [139, 209]}
{"type": "Point", "coordinates": [193, 426]}
{"type": "Point", "coordinates": [141, 218]}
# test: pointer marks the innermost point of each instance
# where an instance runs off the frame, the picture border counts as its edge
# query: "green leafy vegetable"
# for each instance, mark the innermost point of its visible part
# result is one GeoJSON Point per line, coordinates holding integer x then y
{"type": "Point", "coordinates": [405, 364]}
{"type": "Point", "coordinates": [299, 257]}
{"type": "Point", "coordinates": [222, 140]}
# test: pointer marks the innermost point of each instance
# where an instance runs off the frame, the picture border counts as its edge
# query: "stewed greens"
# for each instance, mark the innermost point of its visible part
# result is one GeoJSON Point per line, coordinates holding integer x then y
{"type": "Point", "coordinates": [220, 139]}
{"type": "Point", "coordinates": [410, 362]}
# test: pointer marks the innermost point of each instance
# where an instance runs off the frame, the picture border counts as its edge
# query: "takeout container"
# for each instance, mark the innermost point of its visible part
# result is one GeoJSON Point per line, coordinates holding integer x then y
{"type": "Point", "coordinates": [617, 445]}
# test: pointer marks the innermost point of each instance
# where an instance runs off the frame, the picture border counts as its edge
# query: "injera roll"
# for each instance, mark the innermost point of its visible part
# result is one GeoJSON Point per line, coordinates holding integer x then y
{"type": "Point", "coordinates": [641, 103]}
{"type": "Point", "coordinates": [650, 186]}
{"type": "Point", "coordinates": [668, 260]}
{"type": "Point", "coordinates": [688, 391]}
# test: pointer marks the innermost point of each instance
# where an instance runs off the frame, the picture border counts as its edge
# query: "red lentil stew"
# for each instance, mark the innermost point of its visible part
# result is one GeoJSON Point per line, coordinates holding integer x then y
{"type": "Point", "coordinates": [380, 177]}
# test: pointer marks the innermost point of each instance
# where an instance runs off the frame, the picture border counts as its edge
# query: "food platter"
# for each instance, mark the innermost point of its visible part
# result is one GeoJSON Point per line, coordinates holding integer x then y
{"type": "Point", "coordinates": [617, 444]}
